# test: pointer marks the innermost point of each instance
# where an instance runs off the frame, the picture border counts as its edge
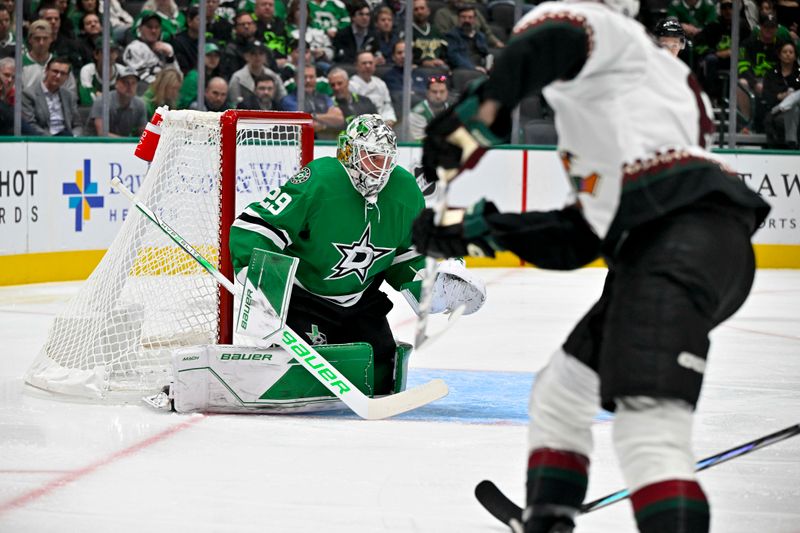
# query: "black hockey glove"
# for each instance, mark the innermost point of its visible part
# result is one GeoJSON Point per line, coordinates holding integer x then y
{"type": "Point", "coordinates": [466, 233]}
{"type": "Point", "coordinates": [455, 140]}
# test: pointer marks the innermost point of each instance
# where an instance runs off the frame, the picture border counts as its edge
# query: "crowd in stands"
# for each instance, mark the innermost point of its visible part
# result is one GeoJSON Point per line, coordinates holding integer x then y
{"type": "Point", "coordinates": [767, 69]}
{"type": "Point", "coordinates": [355, 56]}
{"type": "Point", "coordinates": [355, 53]}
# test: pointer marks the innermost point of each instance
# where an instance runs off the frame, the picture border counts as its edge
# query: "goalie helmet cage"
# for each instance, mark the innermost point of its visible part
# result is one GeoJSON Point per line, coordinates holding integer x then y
{"type": "Point", "coordinates": [112, 342]}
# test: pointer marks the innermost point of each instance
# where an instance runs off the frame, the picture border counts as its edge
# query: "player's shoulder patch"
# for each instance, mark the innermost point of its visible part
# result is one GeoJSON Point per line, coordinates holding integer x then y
{"type": "Point", "coordinates": [301, 177]}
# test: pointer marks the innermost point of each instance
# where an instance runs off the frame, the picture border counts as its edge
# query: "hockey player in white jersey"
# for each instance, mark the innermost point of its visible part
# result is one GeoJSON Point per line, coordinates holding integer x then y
{"type": "Point", "coordinates": [672, 222]}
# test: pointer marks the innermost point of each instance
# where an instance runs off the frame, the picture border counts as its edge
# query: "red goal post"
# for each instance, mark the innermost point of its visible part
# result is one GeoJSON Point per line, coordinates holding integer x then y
{"type": "Point", "coordinates": [231, 122]}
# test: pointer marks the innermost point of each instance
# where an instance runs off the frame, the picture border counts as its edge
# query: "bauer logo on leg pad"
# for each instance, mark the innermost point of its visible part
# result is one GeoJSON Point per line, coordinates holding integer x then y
{"type": "Point", "coordinates": [692, 362]}
{"type": "Point", "coordinates": [327, 372]}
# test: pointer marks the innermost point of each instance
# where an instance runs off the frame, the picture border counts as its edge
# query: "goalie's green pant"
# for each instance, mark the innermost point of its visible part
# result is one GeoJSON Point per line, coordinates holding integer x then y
{"type": "Point", "coordinates": [321, 322]}
{"type": "Point", "coordinates": [235, 379]}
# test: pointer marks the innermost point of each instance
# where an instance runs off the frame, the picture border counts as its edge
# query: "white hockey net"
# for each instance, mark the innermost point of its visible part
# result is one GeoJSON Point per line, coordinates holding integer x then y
{"type": "Point", "coordinates": [113, 341]}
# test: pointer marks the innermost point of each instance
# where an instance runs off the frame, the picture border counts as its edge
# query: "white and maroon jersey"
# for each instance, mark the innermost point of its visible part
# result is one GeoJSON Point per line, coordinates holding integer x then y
{"type": "Point", "coordinates": [631, 105]}
{"type": "Point", "coordinates": [632, 121]}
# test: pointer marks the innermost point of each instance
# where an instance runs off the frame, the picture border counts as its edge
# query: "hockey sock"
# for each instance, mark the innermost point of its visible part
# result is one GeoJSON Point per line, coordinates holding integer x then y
{"type": "Point", "coordinates": [672, 506]}
{"type": "Point", "coordinates": [556, 487]}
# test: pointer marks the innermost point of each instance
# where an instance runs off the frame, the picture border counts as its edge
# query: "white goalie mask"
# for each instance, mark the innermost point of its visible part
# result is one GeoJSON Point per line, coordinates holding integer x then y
{"type": "Point", "coordinates": [368, 150]}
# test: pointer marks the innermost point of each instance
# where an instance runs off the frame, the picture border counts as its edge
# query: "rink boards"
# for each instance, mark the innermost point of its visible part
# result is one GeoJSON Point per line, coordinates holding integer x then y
{"type": "Point", "coordinates": [58, 212]}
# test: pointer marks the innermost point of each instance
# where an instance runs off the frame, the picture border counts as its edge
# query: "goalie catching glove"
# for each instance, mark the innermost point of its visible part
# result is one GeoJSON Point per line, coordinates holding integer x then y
{"type": "Point", "coordinates": [462, 232]}
{"type": "Point", "coordinates": [455, 286]}
{"type": "Point", "coordinates": [455, 139]}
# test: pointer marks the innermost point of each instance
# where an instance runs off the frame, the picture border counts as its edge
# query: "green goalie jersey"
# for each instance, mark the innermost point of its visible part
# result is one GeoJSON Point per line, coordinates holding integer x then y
{"type": "Point", "coordinates": [344, 243]}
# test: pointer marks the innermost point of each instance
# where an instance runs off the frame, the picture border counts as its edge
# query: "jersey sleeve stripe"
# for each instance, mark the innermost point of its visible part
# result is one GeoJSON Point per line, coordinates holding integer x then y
{"type": "Point", "coordinates": [258, 225]}
{"type": "Point", "coordinates": [405, 256]}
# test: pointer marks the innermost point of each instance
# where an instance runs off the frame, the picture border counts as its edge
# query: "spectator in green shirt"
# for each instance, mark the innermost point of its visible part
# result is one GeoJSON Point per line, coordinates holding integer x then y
{"type": "Point", "coordinates": [694, 15]}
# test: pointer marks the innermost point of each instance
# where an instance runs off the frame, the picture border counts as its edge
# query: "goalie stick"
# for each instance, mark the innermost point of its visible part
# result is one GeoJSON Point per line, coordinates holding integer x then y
{"type": "Point", "coordinates": [502, 508]}
{"type": "Point", "coordinates": [304, 353]}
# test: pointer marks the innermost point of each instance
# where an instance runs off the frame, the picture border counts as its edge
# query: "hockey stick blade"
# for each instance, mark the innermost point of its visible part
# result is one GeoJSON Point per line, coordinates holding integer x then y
{"type": "Point", "coordinates": [304, 353]}
{"type": "Point", "coordinates": [498, 504]}
{"type": "Point", "coordinates": [506, 511]}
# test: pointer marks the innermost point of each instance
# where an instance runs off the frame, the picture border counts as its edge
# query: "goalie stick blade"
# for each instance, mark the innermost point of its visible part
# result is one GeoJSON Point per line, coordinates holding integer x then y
{"type": "Point", "coordinates": [498, 504]}
{"type": "Point", "coordinates": [506, 511]}
{"type": "Point", "coordinates": [407, 400]}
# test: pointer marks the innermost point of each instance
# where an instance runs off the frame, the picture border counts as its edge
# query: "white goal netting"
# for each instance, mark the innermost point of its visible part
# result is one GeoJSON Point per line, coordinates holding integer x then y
{"type": "Point", "coordinates": [113, 340]}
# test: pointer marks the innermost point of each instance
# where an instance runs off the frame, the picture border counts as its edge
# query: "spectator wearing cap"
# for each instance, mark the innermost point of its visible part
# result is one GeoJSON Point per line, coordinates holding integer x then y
{"type": "Point", "coordinates": [263, 96]}
{"type": "Point", "coordinates": [127, 116]}
{"type": "Point", "coordinates": [328, 119]}
{"type": "Point", "coordinates": [48, 106]}
{"type": "Point", "coordinates": [435, 102]}
{"type": "Point", "coordinates": [446, 19]}
{"type": "Point", "coordinates": [351, 104]}
{"type": "Point", "coordinates": [255, 65]}
{"type": "Point", "coordinates": [185, 43]}
{"type": "Point", "coordinates": [365, 83]}
{"type": "Point", "coordinates": [7, 41]}
{"type": "Point", "coordinates": [216, 97]}
{"type": "Point", "coordinates": [694, 15]}
{"type": "Point", "coordinates": [172, 20]}
{"type": "Point", "coordinates": [759, 54]}
{"type": "Point", "coordinates": [467, 46]}
{"type": "Point", "coordinates": [90, 81]}
{"type": "Point", "coordinates": [430, 46]}
{"type": "Point", "coordinates": [713, 47]}
{"type": "Point", "coordinates": [244, 34]}
{"type": "Point", "coordinates": [271, 30]}
{"type": "Point", "coordinates": [358, 37]}
{"type": "Point", "coordinates": [188, 92]}
{"type": "Point", "coordinates": [148, 54]}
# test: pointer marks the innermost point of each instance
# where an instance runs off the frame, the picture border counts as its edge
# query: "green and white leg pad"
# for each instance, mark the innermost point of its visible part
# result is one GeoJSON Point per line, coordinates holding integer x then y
{"type": "Point", "coordinates": [232, 379]}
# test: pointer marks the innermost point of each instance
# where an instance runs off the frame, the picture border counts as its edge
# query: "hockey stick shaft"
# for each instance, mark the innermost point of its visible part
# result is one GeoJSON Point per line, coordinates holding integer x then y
{"type": "Point", "coordinates": [506, 511]}
{"type": "Point", "coordinates": [708, 462]}
{"type": "Point", "coordinates": [426, 292]}
{"type": "Point", "coordinates": [304, 353]}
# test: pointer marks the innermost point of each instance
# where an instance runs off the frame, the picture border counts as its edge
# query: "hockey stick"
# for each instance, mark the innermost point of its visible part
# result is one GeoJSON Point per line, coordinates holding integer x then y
{"type": "Point", "coordinates": [421, 336]}
{"type": "Point", "coordinates": [506, 511]}
{"type": "Point", "coordinates": [304, 353]}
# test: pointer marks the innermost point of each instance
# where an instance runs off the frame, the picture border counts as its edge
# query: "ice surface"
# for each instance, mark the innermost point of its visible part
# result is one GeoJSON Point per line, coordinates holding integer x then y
{"type": "Point", "coordinates": [92, 468]}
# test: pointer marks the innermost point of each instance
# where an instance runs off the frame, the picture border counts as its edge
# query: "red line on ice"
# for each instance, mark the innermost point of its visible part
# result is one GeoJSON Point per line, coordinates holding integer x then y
{"type": "Point", "coordinates": [73, 475]}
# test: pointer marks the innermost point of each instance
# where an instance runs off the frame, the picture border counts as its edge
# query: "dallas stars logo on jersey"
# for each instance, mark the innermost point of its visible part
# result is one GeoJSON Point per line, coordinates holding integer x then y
{"type": "Point", "coordinates": [358, 257]}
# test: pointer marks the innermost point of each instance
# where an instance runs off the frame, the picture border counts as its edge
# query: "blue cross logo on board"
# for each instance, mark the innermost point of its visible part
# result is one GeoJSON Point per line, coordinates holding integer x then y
{"type": "Point", "coordinates": [82, 194]}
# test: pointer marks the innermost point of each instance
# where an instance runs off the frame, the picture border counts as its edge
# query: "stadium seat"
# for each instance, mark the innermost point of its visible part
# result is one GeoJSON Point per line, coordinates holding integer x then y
{"type": "Point", "coordinates": [502, 14]}
{"type": "Point", "coordinates": [462, 77]}
{"type": "Point", "coordinates": [540, 131]}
